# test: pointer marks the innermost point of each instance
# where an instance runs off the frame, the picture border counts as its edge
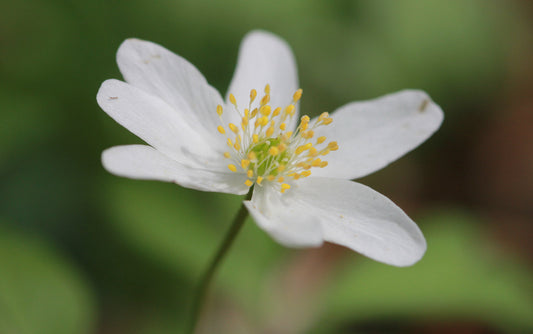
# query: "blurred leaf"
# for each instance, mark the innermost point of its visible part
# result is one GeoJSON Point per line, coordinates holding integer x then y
{"type": "Point", "coordinates": [40, 293]}
{"type": "Point", "coordinates": [25, 120]}
{"type": "Point", "coordinates": [183, 228]}
{"type": "Point", "coordinates": [460, 276]}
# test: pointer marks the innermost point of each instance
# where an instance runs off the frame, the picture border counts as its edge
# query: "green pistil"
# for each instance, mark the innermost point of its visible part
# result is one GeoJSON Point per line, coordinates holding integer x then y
{"type": "Point", "coordinates": [264, 160]}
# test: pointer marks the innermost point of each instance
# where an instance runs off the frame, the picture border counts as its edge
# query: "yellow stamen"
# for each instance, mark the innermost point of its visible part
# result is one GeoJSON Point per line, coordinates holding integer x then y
{"type": "Point", "coordinates": [250, 173]}
{"type": "Point", "coordinates": [253, 94]}
{"type": "Point", "coordinates": [227, 155]}
{"type": "Point", "coordinates": [219, 110]}
{"type": "Point", "coordinates": [259, 180]}
{"type": "Point", "coordinates": [285, 187]}
{"type": "Point", "coordinates": [273, 151]}
{"type": "Point", "coordinates": [232, 168]}
{"type": "Point", "coordinates": [248, 183]}
{"type": "Point", "coordinates": [221, 129]}
{"type": "Point", "coordinates": [232, 99]}
{"type": "Point", "coordinates": [233, 128]}
{"type": "Point", "coordinates": [320, 140]}
{"type": "Point", "coordinates": [297, 95]}
{"type": "Point", "coordinates": [265, 110]}
{"type": "Point", "coordinates": [245, 163]}
{"type": "Point", "coordinates": [289, 110]}
{"type": "Point", "coordinates": [333, 146]}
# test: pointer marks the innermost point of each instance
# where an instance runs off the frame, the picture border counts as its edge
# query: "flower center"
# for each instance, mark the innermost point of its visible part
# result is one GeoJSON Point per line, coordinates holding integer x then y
{"type": "Point", "coordinates": [263, 149]}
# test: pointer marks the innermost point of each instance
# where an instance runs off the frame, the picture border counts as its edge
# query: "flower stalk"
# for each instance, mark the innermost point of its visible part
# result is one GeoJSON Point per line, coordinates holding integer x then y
{"type": "Point", "coordinates": [206, 278]}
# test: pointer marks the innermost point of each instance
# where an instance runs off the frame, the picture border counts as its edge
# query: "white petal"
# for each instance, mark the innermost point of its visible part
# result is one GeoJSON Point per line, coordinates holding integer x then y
{"type": "Point", "coordinates": [264, 59]}
{"type": "Point", "coordinates": [355, 216]}
{"type": "Point", "coordinates": [158, 124]}
{"type": "Point", "coordinates": [144, 162]}
{"type": "Point", "coordinates": [156, 70]}
{"type": "Point", "coordinates": [347, 213]}
{"type": "Point", "coordinates": [283, 221]}
{"type": "Point", "coordinates": [372, 134]}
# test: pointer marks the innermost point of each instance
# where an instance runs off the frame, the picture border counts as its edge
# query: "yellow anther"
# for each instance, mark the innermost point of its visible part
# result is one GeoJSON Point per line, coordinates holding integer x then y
{"type": "Point", "coordinates": [255, 138]}
{"type": "Point", "coordinates": [297, 95]}
{"type": "Point", "coordinates": [252, 156]}
{"type": "Point", "coordinates": [253, 94]}
{"type": "Point", "coordinates": [265, 100]}
{"type": "Point", "coordinates": [276, 111]}
{"type": "Point", "coordinates": [307, 134]}
{"type": "Point", "coordinates": [232, 99]}
{"type": "Point", "coordinates": [248, 183]}
{"type": "Point", "coordinates": [288, 135]}
{"type": "Point", "coordinates": [271, 178]}
{"type": "Point", "coordinates": [263, 121]}
{"type": "Point", "coordinates": [230, 143]}
{"type": "Point", "coordinates": [282, 126]}
{"type": "Point", "coordinates": [285, 187]}
{"type": "Point", "coordinates": [296, 176]}
{"type": "Point", "coordinates": [232, 168]}
{"type": "Point", "coordinates": [221, 129]}
{"type": "Point", "coordinates": [245, 163]}
{"type": "Point", "coordinates": [254, 112]}
{"type": "Point", "coordinates": [320, 140]}
{"type": "Point", "coordinates": [245, 120]}
{"type": "Point", "coordinates": [219, 110]}
{"type": "Point", "coordinates": [250, 173]}
{"type": "Point", "coordinates": [316, 162]}
{"type": "Point", "coordinates": [269, 131]}
{"type": "Point", "coordinates": [247, 113]}
{"type": "Point", "coordinates": [267, 89]}
{"type": "Point", "coordinates": [325, 152]}
{"type": "Point", "coordinates": [333, 146]}
{"type": "Point", "coordinates": [265, 110]}
{"type": "Point", "coordinates": [305, 173]}
{"type": "Point", "coordinates": [281, 179]}
{"type": "Point", "coordinates": [305, 119]}
{"type": "Point", "coordinates": [323, 164]}
{"type": "Point", "coordinates": [302, 148]}
{"type": "Point", "coordinates": [313, 152]}
{"type": "Point", "coordinates": [259, 180]}
{"type": "Point", "coordinates": [327, 121]}
{"type": "Point", "coordinates": [237, 146]}
{"type": "Point", "coordinates": [227, 155]}
{"type": "Point", "coordinates": [233, 128]}
{"type": "Point", "coordinates": [281, 168]}
{"type": "Point", "coordinates": [282, 147]}
{"type": "Point", "coordinates": [289, 110]}
{"type": "Point", "coordinates": [323, 116]}
{"type": "Point", "coordinates": [273, 151]}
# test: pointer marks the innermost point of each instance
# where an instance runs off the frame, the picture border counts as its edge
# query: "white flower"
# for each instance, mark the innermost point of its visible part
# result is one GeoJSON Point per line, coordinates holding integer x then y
{"type": "Point", "coordinates": [201, 141]}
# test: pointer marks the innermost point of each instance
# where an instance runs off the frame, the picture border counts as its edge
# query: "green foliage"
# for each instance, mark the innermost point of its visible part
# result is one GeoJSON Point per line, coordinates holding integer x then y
{"type": "Point", "coordinates": [40, 291]}
{"type": "Point", "coordinates": [461, 276]}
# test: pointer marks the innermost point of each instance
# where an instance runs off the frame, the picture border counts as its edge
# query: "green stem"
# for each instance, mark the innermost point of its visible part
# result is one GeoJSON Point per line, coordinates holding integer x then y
{"type": "Point", "coordinates": [198, 301]}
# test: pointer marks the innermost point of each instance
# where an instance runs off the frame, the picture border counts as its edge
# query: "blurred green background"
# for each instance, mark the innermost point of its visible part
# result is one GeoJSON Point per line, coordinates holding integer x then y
{"type": "Point", "coordinates": [83, 252]}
